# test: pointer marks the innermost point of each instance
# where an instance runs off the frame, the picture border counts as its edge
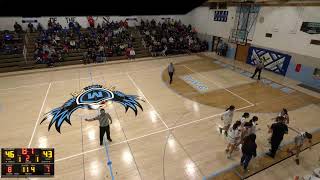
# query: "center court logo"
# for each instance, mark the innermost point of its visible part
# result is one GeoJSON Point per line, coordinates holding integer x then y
{"type": "Point", "coordinates": [90, 97]}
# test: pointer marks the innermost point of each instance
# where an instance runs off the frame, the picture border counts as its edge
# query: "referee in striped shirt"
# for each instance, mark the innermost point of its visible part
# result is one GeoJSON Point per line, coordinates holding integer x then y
{"type": "Point", "coordinates": [104, 119]}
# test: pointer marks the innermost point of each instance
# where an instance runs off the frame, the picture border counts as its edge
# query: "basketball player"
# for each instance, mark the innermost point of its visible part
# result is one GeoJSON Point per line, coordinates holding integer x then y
{"type": "Point", "coordinates": [299, 140]}
{"type": "Point", "coordinates": [242, 129]}
{"type": "Point", "coordinates": [284, 114]}
{"type": "Point", "coordinates": [227, 119]}
{"type": "Point", "coordinates": [254, 122]}
{"type": "Point", "coordinates": [233, 138]}
{"type": "Point", "coordinates": [247, 129]}
{"type": "Point", "coordinates": [244, 117]}
{"type": "Point", "coordinates": [104, 119]}
{"type": "Point", "coordinates": [170, 71]}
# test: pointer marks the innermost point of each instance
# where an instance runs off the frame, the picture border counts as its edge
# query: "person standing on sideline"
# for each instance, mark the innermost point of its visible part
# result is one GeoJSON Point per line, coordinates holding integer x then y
{"type": "Point", "coordinates": [249, 149]}
{"type": "Point", "coordinates": [259, 67]}
{"type": "Point", "coordinates": [170, 71]}
{"type": "Point", "coordinates": [278, 130]}
{"type": "Point", "coordinates": [298, 143]}
{"type": "Point", "coordinates": [104, 119]}
{"type": "Point", "coordinates": [227, 120]}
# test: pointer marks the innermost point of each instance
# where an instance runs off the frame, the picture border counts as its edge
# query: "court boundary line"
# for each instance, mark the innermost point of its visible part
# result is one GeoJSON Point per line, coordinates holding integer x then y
{"type": "Point", "coordinates": [36, 125]}
{"type": "Point", "coordinates": [236, 66]}
{"type": "Point", "coordinates": [23, 86]}
{"type": "Point", "coordinates": [150, 134]}
{"type": "Point", "coordinates": [73, 79]}
{"type": "Point", "coordinates": [137, 87]}
{"type": "Point", "coordinates": [78, 66]}
{"type": "Point", "coordinates": [218, 85]}
{"type": "Point", "coordinates": [125, 136]}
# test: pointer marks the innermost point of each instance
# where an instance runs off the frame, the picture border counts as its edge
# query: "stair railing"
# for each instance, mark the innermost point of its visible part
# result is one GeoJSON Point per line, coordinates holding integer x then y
{"type": "Point", "coordinates": [26, 41]}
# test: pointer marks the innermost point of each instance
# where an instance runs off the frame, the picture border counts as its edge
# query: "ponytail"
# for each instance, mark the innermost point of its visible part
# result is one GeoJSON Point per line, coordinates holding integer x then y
{"type": "Point", "coordinates": [230, 108]}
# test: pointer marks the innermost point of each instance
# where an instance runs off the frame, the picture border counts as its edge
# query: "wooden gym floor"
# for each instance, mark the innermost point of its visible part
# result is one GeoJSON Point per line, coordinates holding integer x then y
{"type": "Point", "coordinates": [175, 137]}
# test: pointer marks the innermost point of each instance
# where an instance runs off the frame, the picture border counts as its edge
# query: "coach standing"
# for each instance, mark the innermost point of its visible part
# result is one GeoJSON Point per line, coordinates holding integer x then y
{"type": "Point", "coordinates": [259, 67]}
{"type": "Point", "coordinates": [278, 130]}
{"type": "Point", "coordinates": [170, 71]}
{"type": "Point", "coordinates": [104, 119]}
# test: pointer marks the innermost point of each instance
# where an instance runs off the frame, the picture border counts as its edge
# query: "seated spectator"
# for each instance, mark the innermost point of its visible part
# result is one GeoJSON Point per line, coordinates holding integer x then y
{"type": "Point", "coordinates": [15, 49]}
{"type": "Point", "coordinates": [17, 28]}
{"type": "Point", "coordinates": [39, 27]}
{"type": "Point", "coordinates": [73, 44]}
{"type": "Point", "coordinates": [65, 48]}
{"type": "Point", "coordinates": [45, 48]}
{"type": "Point", "coordinates": [91, 21]}
{"type": "Point", "coordinates": [50, 23]}
{"type": "Point", "coordinates": [57, 38]}
{"type": "Point", "coordinates": [101, 48]}
{"type": "Point", "coordinates": [31, 28]}
{"type": "Point", "coordinates": [71, 25]}
{"type": "Point", "coordinates": [60, 57]}
{"type": "Point", "coordinates": [152, 50]}
{"type": "Point", "coordinates": [171, 40]}
{"type": "Point", "coordinates": [8, 37]}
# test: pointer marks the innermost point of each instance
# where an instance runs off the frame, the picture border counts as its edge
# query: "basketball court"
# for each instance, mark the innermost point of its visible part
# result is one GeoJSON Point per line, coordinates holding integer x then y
{"type": "Point", "coordinates": [175, 136]}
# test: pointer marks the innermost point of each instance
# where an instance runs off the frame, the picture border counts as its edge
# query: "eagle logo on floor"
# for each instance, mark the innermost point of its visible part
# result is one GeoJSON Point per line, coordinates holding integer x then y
{"type": "Point", "coordinates": [91, 97]}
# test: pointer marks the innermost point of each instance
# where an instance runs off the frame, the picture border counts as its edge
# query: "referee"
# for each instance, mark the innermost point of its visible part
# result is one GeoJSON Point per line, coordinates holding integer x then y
{"type": "Point", "coordinates": [171, 71]}
{"type": "Point", "coordinates": [104, 119]}
{"type": "Point", "coordinates": [258, 69]}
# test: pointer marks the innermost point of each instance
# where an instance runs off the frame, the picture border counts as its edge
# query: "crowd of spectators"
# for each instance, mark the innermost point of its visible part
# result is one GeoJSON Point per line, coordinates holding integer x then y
{"type": "Point", "coordinates": [106, 40]}
{"type": "Point", "coordinates": [170, 37]}
{"type": "Point", "coordinates": [12, 43]}
{"type": "Point", "coordinates": [54, 42]}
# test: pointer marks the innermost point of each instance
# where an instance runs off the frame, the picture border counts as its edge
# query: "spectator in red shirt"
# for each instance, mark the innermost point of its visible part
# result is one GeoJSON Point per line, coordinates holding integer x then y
{"type": "Point", "coordinates": [91, 21]}
{"type": "Point", "coordinates": [125, 24]}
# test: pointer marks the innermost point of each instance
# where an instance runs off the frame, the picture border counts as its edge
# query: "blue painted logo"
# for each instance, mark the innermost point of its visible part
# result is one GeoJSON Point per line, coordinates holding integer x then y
{"type": "Point", "coordinates": [91, 97]}
{"type": "Point", "coordinates": [94, 95]}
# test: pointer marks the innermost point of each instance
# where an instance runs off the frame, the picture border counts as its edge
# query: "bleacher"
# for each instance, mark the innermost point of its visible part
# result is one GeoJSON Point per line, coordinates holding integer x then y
{"type": "Point", "coordinates": [11, 61]}
{"type": "Point", "coordinates": [25, 59]}
{"type": "Point", "coordinates": [16, 62]}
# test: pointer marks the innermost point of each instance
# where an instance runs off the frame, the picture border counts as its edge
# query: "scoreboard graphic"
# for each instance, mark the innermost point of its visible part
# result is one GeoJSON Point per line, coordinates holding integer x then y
{"type": "Point", "coordinates": [220, 16]}
{"type": "Point", "coordinates": [27, 162]}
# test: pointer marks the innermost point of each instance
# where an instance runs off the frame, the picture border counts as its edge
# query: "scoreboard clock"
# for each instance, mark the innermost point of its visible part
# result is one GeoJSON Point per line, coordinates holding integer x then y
{"type": "Point", "coordinates": [27, 162]}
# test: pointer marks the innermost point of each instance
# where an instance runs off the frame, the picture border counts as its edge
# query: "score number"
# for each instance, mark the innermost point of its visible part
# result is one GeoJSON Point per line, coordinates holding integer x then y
{"type": "Point", "coordinates": [28, 169]}
{"type": "Point", "coordinates": [47, 153]}
{"type": "Point", "coordinates": [9, 154]}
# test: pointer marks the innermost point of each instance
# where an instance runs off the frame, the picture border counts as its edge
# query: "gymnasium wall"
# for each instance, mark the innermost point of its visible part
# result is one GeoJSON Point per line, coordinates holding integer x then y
{"type": "Point", "coordinates": [202, 19]}
{"type": "Point", "coordinates": [284, 24]}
